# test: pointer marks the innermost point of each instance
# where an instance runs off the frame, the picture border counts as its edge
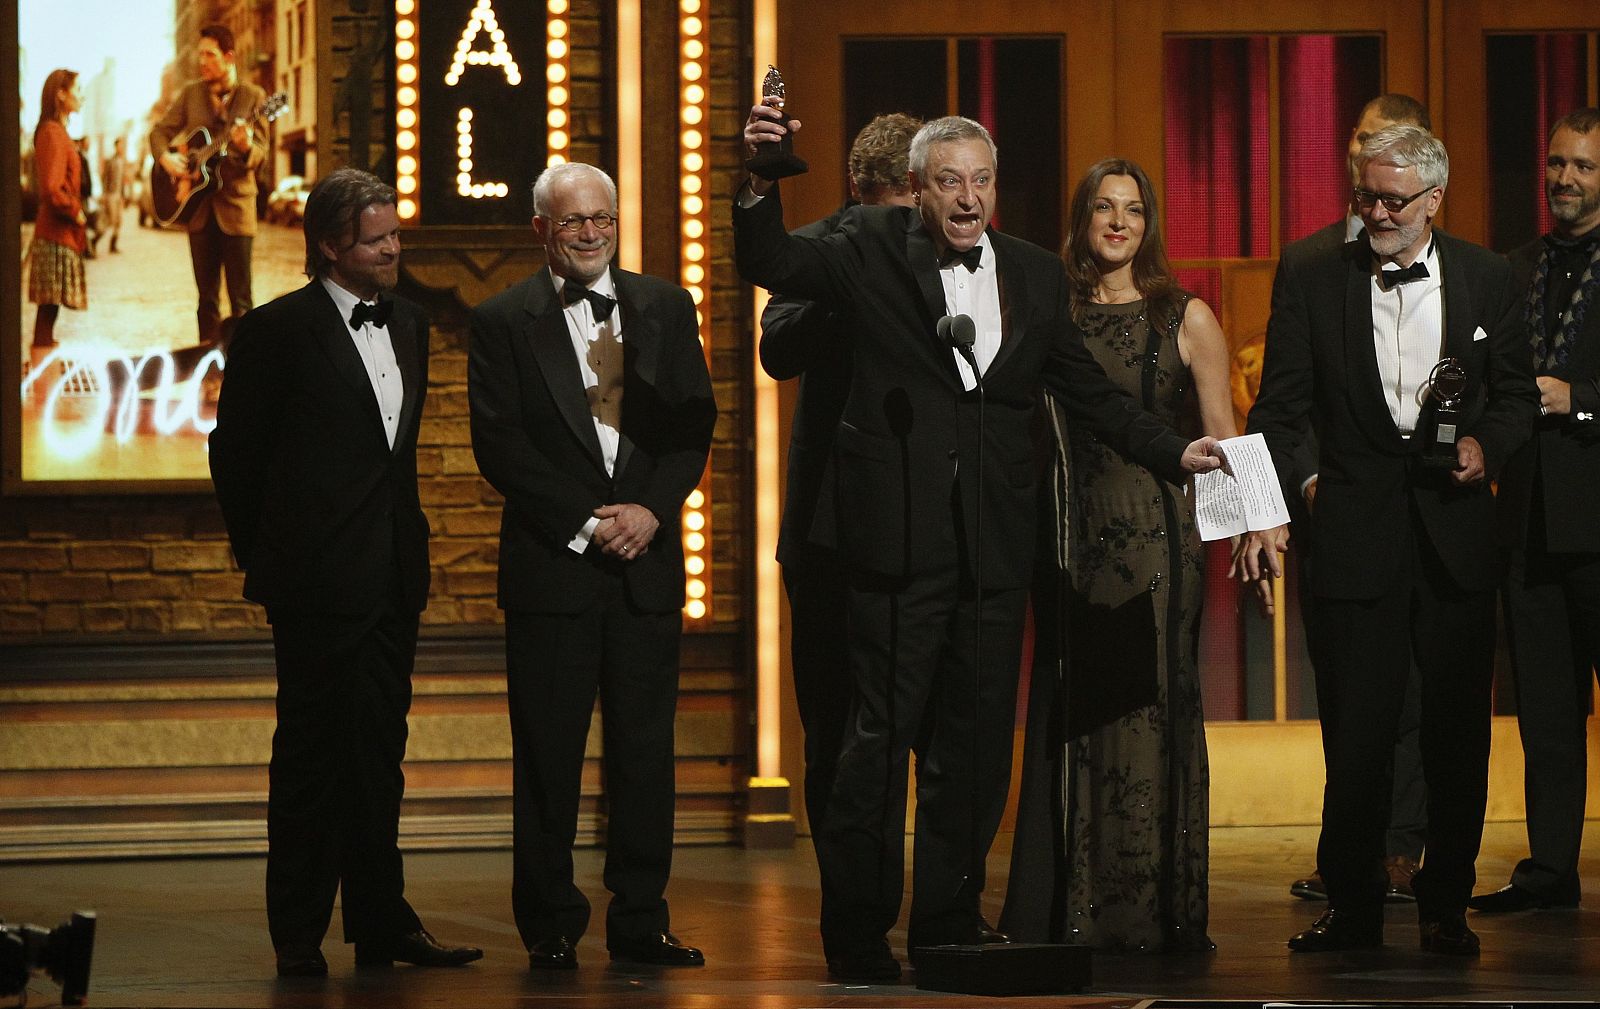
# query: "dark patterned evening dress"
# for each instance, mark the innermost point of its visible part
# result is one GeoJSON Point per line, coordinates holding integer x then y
{"type": "Point", "coordinates": [1111, 845]}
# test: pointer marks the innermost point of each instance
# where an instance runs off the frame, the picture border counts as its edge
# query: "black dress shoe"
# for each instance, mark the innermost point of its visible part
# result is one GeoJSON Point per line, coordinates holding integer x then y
{"type": "Point", "coordinates": [988, 935]}
{"type": "Point", "coordinates": [1337, 930]}
{"type": "Point", "coordinates": [1309, 888]}
{"type": "Point", "coordinates": [554, 953]}
{"type": "Point", "coordinates": [660, 950]}
{"type": "Point", "coordinates": [301, 961]}
{"type": "Point", "coordinates": [417, 948]}
{"type": "Point", "coordinates": [877, 967]}
{"type": "Point", "coordinates": [1519, 898]}
{"type": "Point", "coordinates": [1449, 935]}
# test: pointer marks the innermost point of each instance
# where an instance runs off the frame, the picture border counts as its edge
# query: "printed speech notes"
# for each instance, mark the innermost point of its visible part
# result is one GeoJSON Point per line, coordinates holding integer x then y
{"type": "Point", "coordinates": [1247, 499]}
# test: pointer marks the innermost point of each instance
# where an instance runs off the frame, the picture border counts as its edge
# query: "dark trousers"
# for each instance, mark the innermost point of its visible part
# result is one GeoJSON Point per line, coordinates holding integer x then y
{"type": "Point", "coordinates": [333, 804]}
{"type": "Point", "coordinates": [920, 681]}
{"type": "Point", "coordinates": [820, 657]}
{"type": "Point", "coordinates": [1408, 801]}
{"type": "Point", "coordinates": [1553, 612]}
{"type": "Point", "coordinates": [556, 664]}
{"type": "Point", "coordinates": [1364, 649]}
{"type": "Point", "coordinates": [213, 254]}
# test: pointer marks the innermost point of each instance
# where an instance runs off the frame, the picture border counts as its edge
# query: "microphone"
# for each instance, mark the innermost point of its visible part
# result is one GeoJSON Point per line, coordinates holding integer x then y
{"type": "Point", "coordinates": [959, 331]}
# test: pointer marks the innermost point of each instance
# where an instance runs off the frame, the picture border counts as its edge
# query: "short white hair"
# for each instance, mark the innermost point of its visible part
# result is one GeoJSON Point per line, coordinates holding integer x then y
{"type": "Point", "coordinates": [943, 131]}
{"type": "Point", "coordinates": [1407, 145]}
{"type": "Point", "coordinates": [553, 176]}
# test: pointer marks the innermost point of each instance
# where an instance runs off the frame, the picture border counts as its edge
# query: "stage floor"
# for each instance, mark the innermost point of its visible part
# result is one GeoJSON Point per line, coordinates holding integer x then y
{"type": "Point", "coordinates": [192, 933]}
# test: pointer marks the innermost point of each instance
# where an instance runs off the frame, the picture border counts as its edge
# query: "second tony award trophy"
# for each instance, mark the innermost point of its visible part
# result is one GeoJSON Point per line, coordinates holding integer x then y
{"type": "Point", "coordinates": [1446, 383]}
{"type": "Point", "coordinates": [776, 160]}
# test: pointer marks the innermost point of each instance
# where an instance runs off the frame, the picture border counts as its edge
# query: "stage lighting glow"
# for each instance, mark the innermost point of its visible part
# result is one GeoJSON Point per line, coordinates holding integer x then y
{"type": "Point", "coordinates": [694, 170]}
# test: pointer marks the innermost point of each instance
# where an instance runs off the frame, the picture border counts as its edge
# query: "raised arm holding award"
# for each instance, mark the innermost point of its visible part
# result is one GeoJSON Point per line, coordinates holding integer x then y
{"type": "Point", "coordinates": [776, 160]}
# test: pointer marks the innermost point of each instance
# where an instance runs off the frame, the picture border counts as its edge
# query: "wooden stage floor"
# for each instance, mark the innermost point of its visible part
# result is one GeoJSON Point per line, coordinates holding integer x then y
{"type": "Point", "coordinates": [192, 933]}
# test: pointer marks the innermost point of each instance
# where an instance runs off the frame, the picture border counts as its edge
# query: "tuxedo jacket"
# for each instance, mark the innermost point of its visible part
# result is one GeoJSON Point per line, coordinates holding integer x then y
{"type": "Point", "coordinates": [1562, 459]}
{"type": "Point", "coordinates": [907, 428]}
{"type": "Point", "coordinates": [1321, 371]}
{"type": "Point", "coordinates": [233, 196]}
{"type": "Point", "coordinates": [322, 513]}
{"type": "Point", "coordinates": [803, 339]}
{"type": "Point", "coordinates": [534, 438]}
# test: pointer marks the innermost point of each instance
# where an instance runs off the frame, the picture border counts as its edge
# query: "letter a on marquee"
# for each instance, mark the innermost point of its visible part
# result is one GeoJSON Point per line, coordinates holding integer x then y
{"type": "Point", "coordinates": [482, 20]}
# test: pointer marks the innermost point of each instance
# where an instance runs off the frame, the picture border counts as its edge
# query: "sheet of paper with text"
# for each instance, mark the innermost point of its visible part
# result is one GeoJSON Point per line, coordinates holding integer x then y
{"type": "Point", "coordinates": [1246, 499]}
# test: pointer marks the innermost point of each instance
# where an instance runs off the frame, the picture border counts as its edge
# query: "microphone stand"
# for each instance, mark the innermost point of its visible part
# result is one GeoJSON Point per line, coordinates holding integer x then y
{"type": "Point", "coordinates": [996, 969]}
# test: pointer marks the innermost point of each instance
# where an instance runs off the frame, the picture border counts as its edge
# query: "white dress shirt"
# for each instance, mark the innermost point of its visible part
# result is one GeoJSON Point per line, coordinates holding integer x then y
{"type": "Point", "coordinates": [975, 294]}
{"type": "Point", "coordinates": [583, 329]}
{"type": "Point", "coordinates": [377, 355]}
{"type": "Point", "coordinates": [1408, 335]}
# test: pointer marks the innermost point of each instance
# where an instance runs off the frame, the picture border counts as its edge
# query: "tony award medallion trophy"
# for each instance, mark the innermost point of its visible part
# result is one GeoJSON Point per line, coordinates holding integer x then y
{"type": "Point", "coordinates": [1446, 383]}
{"type": "Point", "coordinates": [776, 160]}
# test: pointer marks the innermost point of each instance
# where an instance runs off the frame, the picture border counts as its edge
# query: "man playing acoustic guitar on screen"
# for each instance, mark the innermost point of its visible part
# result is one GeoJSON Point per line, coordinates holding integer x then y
{"type": "Point", "coordinates": [221, 217]}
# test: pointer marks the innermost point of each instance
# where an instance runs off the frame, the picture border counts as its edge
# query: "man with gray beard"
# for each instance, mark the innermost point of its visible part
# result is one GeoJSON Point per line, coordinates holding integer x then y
{"type": "Point", "coordinates": [1404, 563]}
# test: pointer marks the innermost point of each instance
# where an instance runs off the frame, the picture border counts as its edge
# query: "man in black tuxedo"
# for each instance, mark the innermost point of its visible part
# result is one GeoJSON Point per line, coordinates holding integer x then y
{"type": "Point", "coordinates": [1552, 591]}
{"type": "Point", "coordinates": [803, 339]}
{"type": "Point", "coordinates": [314, 458]}
{"type": "Point", "coordinates": [1404, 558]}
{"type": "Point", "coordinates": [592, 414]}
{"type": "Point", "coordinates": [1408, 807]}
{"type": "Point", "coordinates": [931, 494]}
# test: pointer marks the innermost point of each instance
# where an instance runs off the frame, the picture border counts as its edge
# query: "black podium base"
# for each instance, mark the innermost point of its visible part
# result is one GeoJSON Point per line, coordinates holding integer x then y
{"type": "Point", "coordinates": [1014, 968]}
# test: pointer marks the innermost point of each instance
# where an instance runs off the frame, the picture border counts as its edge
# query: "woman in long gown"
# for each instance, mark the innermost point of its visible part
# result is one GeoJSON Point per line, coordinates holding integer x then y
{"type": "Point", "coordinates": [1111, 844]}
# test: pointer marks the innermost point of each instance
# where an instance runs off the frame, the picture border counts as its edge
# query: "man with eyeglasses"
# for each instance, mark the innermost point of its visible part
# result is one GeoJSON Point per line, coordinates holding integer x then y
{"type": "Point", "coordinates": [1405, 563]}
{"type": "Point", "coordinates": [1546, 505]}
{"type": "Point", "coordinates": [1408, 815]}
{"type": "Point", "coordinates": [592, 414]}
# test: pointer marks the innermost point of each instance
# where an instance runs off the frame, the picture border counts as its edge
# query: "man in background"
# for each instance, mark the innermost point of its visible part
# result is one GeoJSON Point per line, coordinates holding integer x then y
{"type": "Point", "coordinates": [1546, 503]}
{"type": "Point", "coordinates": [802, 339]}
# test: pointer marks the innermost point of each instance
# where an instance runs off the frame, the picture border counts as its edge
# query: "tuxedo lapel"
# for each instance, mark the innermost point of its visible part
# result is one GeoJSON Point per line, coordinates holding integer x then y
{"type": "Point", "coordinates": [333, 336]}
{"type": "Point", "coordinates": [641, 355]}
{"type": "Point", "coordinates": [922, 257]}
{"type": "Point", "coordinates": [1459, 323]}
{"type": "Point", "coordinates": [1013, 301]}
{"type": "Point", "coordinates": [1361, 356]}
{"type": "Point", "coordinates": [551, 343]}
{"type": "Point", "coordinates": [403, 336]}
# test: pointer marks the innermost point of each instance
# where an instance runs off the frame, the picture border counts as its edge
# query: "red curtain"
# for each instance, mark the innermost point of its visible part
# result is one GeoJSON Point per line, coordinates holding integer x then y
{"type": "Point", "coordinates": [1323, 82]}
{"type": "Point", "coordinates": [1560, 85]}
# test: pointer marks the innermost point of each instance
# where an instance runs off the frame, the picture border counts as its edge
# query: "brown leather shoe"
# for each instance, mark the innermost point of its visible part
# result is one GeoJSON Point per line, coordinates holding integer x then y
{"type": "Point", "coordinates": [1400, 869]}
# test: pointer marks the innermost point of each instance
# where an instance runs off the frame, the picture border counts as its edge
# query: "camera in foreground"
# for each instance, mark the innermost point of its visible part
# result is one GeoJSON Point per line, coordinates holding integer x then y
{"type": "Point", "coordinates": [62, 952]}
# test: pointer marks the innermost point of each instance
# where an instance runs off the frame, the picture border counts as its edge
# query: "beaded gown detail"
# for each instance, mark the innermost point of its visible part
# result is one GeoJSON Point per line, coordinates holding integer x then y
{"type": "Point", "coordinates": [1127, 796]}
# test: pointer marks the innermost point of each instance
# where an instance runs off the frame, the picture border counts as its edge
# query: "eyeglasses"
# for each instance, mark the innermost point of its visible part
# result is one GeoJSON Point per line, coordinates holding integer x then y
{"type": "Point", "coordinates": [575, 222]}
{"type": "Point", "coordinates": [1393, 204]}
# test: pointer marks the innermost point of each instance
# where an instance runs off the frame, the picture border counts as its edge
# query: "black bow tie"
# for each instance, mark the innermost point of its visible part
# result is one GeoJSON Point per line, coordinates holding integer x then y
{"type": "Point", "coordinates": [1394, 278]}
{"type": "Point", "coordinates": [971, 259]}
{"type": "Point", "coordinates": [600, 305]}
{"type": "Point", "coordinates": [376, 313]}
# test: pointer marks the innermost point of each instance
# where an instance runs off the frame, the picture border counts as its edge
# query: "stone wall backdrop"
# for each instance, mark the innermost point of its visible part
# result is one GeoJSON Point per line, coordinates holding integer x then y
{"type": "Point", "coordinates": [136, 687]}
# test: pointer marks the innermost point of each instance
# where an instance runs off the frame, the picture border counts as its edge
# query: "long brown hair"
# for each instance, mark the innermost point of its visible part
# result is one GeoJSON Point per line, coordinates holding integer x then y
{"type": "Point", "coordinates": [1151, 273]}
{"type": "Point", "coordinates": [60, 80]}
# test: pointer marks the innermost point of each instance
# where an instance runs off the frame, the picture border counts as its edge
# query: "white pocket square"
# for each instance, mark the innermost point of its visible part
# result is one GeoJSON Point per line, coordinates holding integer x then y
{"type": "Point", "coordinates": [1479, 334]}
